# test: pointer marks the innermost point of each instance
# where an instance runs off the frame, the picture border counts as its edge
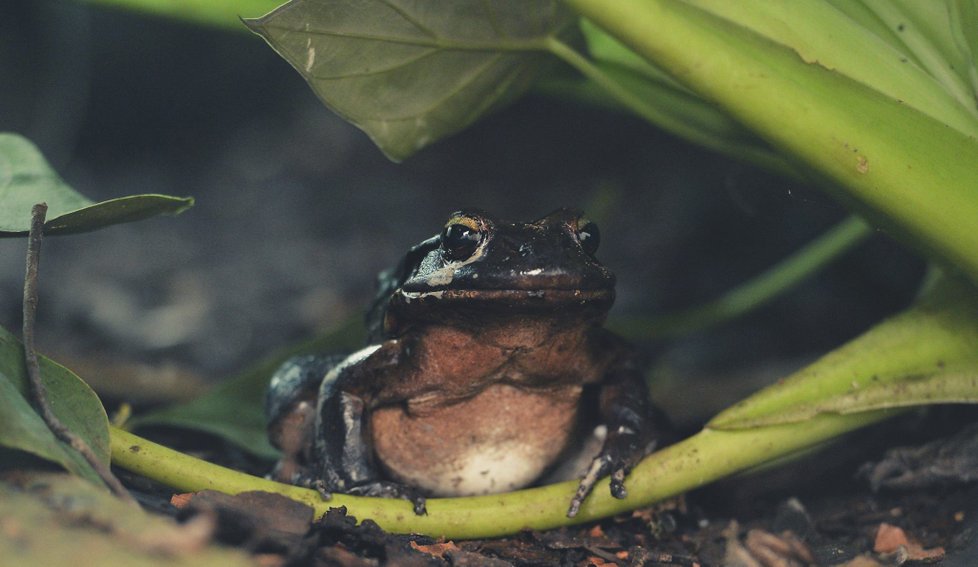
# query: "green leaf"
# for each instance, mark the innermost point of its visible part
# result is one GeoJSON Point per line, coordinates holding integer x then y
{"type": "Point", "coordinates": [235, 409]}
{"type": "Point", "coordinates": [26, 179]}
{"type": "Point", "coordinates": [927, 354]}
{"type": "Point", "coordinates": [411, 73]}
{"type": "Point", "coordinates": [21, 428]}
{"type": "Point", "coordinates": [963, 15]}
{"type": "Point", "coordinates": [909, 58]}
{"type": "Point", "coordinates": [958, 386]}
{"type": "Point", "coordinates": [75, 404]}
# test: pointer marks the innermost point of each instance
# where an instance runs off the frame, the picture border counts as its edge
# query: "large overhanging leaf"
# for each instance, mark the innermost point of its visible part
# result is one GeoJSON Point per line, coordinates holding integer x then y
{"type": "Point", "coordinates": [409, 73]}
{"type": "Point", "coordinates": [26, 179]}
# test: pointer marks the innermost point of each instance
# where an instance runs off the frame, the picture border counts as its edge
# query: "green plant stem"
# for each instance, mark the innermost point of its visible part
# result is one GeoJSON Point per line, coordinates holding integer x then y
{"type": "Point", "coordinates": [219, 13]}
{"type": "Point", "coordinates": [692, 463]}
{"type": "Point", "coordinates": [755, 292]}
{"type": "Point", "coordinates": [908, 173]}
{"type": "Point", "coordinates": [660, 118]}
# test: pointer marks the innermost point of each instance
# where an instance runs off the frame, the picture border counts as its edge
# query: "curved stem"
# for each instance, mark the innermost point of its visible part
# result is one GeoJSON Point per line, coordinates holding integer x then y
{"type": "Point", "coordinates": [756, 291]}
{"type": "Point", "coordinates": [36, 385]}
{"type": "Point", "coordinates": [694, 462]}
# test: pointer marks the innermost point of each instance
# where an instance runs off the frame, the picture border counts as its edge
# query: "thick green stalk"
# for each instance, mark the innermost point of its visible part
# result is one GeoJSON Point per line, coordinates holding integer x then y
{"type": "Point", "coordinates": [908, 172]}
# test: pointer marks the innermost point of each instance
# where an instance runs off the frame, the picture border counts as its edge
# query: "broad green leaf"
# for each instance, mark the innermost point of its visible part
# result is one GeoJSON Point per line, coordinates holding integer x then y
{"type": "Point", "coordinates": [964, 14]}
{"type": "Point", "coordinates": [235, 410]}
{"type": "Point", "coordinates": [914, 72]}
{"type": "Point", "coordinates": [929, 30]}
{"type": "Point", "coordinates": [958, 386]}
{"type": "Point", "coordinates": [927, 354]}
{"type": "Point", "coordinates": [26, 179]}
{"type": "Point", "coordinates": [75, 404]}
{"type": "Point", "coordinates": [409, 73]}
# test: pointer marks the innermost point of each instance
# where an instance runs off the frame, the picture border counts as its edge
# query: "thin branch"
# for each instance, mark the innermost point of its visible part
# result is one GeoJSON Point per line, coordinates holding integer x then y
{"type": "Point", "coordinates": [38, 392]}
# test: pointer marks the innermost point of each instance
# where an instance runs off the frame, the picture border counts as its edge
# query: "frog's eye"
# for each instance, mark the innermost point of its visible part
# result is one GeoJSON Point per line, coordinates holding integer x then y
{"type": "Point", "coordinates": [589, 237]}
{"type": "Point", "coordinates": [460, 241]}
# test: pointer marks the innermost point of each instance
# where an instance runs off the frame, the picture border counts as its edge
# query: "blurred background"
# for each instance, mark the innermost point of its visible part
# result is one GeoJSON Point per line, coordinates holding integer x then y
{"type": "Point", "coordinates": [297, 211]}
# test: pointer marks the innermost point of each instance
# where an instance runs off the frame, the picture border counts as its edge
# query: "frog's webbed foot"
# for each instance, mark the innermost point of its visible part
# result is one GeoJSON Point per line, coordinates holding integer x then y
{"type": "Point", "coordinates": [622, 450]}
{"type": "Point", "coordinates": [385, 489]}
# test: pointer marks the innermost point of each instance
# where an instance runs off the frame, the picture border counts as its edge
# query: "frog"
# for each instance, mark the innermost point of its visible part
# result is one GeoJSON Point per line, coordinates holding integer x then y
{"type": "Point", "coordinates": [487, 363]}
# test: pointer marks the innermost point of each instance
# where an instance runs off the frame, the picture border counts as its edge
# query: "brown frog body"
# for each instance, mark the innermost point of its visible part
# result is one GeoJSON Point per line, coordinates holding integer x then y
{"type": "Point", "coordinates": [487, 363]}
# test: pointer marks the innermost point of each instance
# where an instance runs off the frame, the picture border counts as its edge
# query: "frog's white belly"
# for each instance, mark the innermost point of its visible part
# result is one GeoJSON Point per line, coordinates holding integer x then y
{"type": "Point", "coordinates": [502, 439]}
{"type": "Point", "coordinates": [480, 471]}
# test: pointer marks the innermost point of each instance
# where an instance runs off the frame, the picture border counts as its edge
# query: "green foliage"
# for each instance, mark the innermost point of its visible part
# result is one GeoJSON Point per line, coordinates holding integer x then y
{"type": "Point", "coordinates": [409, 75]}
{"type": "Point", "coordinates": [75, 404]}
{"type": "Point", "coordinates": [26, 179]}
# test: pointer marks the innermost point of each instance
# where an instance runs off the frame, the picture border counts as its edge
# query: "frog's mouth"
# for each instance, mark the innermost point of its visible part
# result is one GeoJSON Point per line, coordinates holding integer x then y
{"type": "Point", "coordinates": [530, 299]}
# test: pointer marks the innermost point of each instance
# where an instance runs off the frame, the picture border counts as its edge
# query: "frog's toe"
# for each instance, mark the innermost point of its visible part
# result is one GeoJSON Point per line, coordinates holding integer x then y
{"type": "Point", "coordinates": [618, 483]}
{"type": "Point", "coordinates": [622, 450]}
{"type": "Point", "coordinates": [382, 489]}
{"type": "Point", "coordinates": [599, 467]}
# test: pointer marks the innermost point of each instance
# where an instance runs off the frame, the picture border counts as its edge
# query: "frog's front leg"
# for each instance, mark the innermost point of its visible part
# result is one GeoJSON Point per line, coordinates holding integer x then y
{"type": "Point", "coordinates": [633, 424]}
{"type": "Point", "coordinates": [344, 449]}
{"type": "Point", "coordinates": [290, 411]}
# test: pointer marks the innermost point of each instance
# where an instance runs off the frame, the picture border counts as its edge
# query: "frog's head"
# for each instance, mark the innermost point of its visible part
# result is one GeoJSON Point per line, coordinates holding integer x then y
{"type": "Point", "coordinates": [483, 265]}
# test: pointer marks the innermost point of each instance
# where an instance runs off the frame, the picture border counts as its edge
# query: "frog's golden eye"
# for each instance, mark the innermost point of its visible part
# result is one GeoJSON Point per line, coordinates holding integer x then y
{"type": "Point", "coordinates": [588, 236]}
{"type": "Point", "coordinates": [460, 238]}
